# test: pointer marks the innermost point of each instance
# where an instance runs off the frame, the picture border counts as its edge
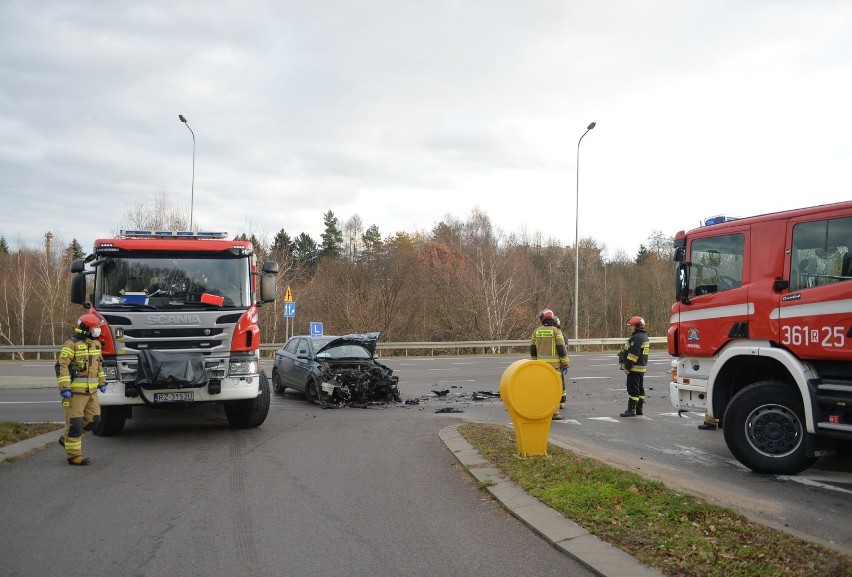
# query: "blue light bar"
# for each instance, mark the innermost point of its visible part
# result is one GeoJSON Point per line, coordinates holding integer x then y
{"type": "Point", "coordinates": [718, 219]}
{"type": "Point", "coordinates": [171, 234]}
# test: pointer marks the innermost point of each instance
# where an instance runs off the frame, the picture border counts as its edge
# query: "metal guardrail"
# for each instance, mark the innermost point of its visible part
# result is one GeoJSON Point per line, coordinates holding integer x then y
{"type": "Point", "coordinates": [471, 347]}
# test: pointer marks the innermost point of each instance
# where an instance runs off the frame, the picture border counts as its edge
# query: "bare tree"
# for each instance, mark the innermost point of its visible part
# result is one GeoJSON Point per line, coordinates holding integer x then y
{"type": "Point", "coordinates": [155, 212]}
{"type": "Point", "coordinates": [353, 231]}
{"type": "Point", "coordinates": [17, 295]}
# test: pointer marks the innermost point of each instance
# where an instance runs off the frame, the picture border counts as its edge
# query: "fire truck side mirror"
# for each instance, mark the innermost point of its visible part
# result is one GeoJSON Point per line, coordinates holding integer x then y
{"type": "Point", "coordinates": [267, 288]}
{"type": "Point", "coordinates": [78, 266]}
{"type": "Point", "coordinates": [78, 289]}
{"type": "Point", "coordinates": [267, 281]}
{"type": "Point", "coordinates": [682, 283]}
{"type": "Point", "coordinates": [270, 267]}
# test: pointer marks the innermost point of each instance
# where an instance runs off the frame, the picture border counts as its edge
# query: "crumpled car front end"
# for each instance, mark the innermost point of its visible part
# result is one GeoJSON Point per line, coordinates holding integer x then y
{"type": "Point", "coordinates": [358, 385]}
{"type": "Point", "coordinates": [351, 375]}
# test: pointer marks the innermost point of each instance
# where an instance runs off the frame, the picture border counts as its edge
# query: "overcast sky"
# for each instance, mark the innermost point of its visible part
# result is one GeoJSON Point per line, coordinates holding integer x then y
{"type": "Point", "coordinates": [405, 112]}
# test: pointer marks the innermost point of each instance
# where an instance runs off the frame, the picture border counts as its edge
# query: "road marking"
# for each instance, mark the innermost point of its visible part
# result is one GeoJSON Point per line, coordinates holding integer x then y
{"type": "Point", "coordinates": [607, 419]}
{"type": "Point", "coordinates": [673, 415]}
{"type": "Point", "coordinates": [815, 482]}
{"type": "Point", "coordinates": [26, 402]}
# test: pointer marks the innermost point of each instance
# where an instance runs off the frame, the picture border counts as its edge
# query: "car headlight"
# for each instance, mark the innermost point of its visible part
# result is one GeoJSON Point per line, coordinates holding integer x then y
{"type": "Point", "coordinates": [111, 372]}
{"type": "Point", "coordinates": [243, 368]}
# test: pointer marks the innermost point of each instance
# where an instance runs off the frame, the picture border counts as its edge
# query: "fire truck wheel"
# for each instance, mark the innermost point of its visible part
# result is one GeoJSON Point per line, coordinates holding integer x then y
{"type": "Point", "coordinates": [764, 429]}
{"type": "Point", "coordinates": [277, 385]}
{"type": "Point", "coordinates": [250, 412]}
{"type": "Point", "coordinates": [111, 422]}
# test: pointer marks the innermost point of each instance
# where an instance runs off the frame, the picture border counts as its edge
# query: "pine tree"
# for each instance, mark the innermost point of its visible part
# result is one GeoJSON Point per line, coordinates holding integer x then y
{"type": "Point", "coordinates": [4, 247]}
{"type": "Point", "coordinates": [332, 238]}
{"type": "Point", "coordinates": [76, 250]}
{"type": "Point", "coordinates": [642, 255]}
{"type": "Point", "coordinates": [372, 239]}
{"type": "Point", "coordinates": [305, 250]}
{"type": "Point", "coordinates": [282, 243]}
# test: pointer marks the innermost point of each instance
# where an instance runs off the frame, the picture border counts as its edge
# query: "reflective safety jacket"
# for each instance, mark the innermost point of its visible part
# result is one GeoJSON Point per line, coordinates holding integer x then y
{"type": "Point", "coordinates": [548, 345]}
{"type": "Point", "coordinates": [80, 366]}
{"type": "Point", "coordinates": [637, 347]}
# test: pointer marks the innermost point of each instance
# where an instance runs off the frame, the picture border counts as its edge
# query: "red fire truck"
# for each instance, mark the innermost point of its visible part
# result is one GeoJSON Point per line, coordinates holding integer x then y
{"type": "Point", "coordinates": [181, 323]}
{"type": "Point", "coordinates": [762, 333]}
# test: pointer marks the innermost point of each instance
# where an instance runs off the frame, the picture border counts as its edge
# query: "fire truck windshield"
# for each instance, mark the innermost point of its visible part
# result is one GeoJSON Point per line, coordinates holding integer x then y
{"type": "Point", "coordinates": [170, 282]}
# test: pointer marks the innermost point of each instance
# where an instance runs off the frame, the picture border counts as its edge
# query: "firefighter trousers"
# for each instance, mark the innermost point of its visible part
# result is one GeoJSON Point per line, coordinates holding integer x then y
{"type": "Point", "coordinates": [636, 385]}
{"type": "Point", "coordinates": [81, 412]}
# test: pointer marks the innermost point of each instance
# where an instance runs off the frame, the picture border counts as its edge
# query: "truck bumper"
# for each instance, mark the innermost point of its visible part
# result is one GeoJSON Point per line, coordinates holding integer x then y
{"type": "Point", "coordinates": [688, 397]}
{"type": "Point", "coordinates": [232, 389]}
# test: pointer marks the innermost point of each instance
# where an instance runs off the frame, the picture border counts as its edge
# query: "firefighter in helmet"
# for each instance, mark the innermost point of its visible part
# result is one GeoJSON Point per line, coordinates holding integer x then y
{"type": "Point", "coordinates": [80, 375]}
{"type": "Point", "coordinates": [635, 361]}
{"type": "Point", "coordinates": [548, 344]}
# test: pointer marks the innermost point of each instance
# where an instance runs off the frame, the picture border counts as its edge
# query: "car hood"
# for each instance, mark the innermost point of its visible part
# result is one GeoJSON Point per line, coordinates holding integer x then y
{"type": "Point", "coordinates": [366, 340]}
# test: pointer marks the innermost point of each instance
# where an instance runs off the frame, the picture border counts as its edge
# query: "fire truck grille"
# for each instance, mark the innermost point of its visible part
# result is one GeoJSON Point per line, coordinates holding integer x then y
{"type": "Point", "coordinates": [172, 333]}
{"type": "Point", "coordinates": [169, 345]}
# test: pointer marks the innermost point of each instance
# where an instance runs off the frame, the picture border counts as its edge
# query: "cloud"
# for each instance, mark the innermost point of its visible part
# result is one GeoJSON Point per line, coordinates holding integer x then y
{"type": "Point", "coordinates": [403, 113]}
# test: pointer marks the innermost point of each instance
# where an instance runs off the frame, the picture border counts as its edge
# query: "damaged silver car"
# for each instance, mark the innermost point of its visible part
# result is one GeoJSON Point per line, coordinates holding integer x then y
{"type": "Point", "coordinates": [335, 370]}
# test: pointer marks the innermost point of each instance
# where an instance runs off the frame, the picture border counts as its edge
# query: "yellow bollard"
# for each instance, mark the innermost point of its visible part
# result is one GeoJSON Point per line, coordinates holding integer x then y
{"type": "Point", "coordinates": [531, 390]}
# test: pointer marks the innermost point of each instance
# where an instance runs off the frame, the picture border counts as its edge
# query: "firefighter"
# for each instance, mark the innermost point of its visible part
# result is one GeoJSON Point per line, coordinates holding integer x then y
{"type": "Point", "coordinates": [548, 344]}
{"type": "Point", "coordinates": [635, 362]}
{"type": "Point", "coordinates": [709, 424]}
{"type": "Point", "coordinates": [80, 375]}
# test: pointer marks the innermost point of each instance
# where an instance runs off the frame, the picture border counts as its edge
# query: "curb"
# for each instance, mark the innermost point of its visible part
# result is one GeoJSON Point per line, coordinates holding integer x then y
{"type": "Point", "coordinates": [565, 535]}
{"type": "Point", "coordinates": [29, 445]}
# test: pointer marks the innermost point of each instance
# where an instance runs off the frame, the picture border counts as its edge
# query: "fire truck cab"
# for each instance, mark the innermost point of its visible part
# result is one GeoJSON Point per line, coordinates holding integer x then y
{"type": "Point", "coordinates": [180, 312]}
{"type": "Point", "coordinates": [761, 333]}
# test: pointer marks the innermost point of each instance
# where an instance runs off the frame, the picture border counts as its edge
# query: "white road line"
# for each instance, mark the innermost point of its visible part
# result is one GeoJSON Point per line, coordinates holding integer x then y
{"type": "Point", "coordinates": [810, 482]}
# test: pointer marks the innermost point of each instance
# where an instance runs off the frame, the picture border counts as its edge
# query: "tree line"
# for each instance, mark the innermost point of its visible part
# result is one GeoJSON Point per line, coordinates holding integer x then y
{"type": "Point", "coordinates": [463, 280]}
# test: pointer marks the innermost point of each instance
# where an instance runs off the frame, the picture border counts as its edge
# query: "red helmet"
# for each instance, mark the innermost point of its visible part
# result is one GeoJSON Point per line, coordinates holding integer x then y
{"type": "Point", "coordinates": [546, 314]}
{"type": "Point", "coordinates": [636, 322]}
{"type": "Point", "coordinates": [90, 324]}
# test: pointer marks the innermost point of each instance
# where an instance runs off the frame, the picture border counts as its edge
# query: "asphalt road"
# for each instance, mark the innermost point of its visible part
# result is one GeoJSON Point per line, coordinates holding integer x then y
{"type": "Point", "coordinates": [347, 492]}
{"type": "Point", "coordinates": [375, 464]}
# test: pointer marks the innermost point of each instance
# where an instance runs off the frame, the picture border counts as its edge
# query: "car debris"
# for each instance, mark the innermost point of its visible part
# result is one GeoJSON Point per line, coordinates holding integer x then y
{"type": "Point", "coordinates": [482, 395]}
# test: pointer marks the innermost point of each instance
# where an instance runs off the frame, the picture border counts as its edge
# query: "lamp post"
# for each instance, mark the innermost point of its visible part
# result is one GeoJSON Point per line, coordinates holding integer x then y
{"type": "Point", "coordinates": [577, 241]}
{"type": "Point", "coordinates": [191, 198]}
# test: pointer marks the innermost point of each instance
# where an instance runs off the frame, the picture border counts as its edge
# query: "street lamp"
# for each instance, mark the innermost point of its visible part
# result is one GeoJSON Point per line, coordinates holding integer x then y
{"type": "Point", "coordinates": [192, 198]}
{"type": "Point", "coordinates": [576, 243]}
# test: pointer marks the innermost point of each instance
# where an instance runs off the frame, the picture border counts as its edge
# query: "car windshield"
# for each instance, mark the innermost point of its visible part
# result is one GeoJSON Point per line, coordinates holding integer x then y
{"type": "Point", "coordinates": [169, 282]}
{"type": "Point", "coordinates": [345, 351]}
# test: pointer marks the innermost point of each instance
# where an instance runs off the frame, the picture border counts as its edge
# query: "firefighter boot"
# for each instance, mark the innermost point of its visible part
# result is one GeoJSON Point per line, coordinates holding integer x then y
{"type": "Point", "coordinates": [631, 409]}
{"type": "Point", "coordinates": [78, 460]}
{"type": "Point", "coordinates": [640, 404]}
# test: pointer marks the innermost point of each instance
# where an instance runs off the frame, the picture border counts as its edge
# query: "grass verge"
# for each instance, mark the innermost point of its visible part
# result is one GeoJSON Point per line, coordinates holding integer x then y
{"type": "Point", "coordinates": [679, 535]}
{"type": "Point", "coordinates": [11, 433]}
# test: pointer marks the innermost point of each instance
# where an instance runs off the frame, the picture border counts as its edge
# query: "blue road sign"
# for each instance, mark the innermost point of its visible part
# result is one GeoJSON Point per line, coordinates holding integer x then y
{"type": "Point", "coordinates": [289, 309]}
{"type": "Point", "coordinates": [316, 329]}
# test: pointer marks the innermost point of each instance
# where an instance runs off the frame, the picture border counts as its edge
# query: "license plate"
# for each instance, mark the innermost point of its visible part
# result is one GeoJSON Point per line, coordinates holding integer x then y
{"type": "Point", "coordinates": [174, 397]}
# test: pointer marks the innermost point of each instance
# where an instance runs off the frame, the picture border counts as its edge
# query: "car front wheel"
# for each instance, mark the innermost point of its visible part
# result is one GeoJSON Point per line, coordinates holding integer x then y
{"type": "Point", "coordinates": [312, 391]}
{"type": "Point", "coordinates": [277, 385]}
